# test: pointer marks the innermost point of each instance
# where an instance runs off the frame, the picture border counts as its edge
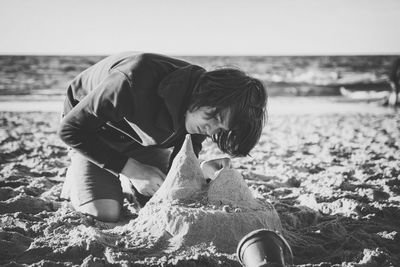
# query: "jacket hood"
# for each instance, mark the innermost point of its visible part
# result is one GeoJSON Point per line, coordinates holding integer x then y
{"type": "Point", "coordinates": [177, 88]}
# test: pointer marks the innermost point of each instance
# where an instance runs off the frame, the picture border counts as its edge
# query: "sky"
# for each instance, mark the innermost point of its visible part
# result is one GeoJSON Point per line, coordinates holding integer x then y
{"type": "Point", "coordinates": [204, 27]}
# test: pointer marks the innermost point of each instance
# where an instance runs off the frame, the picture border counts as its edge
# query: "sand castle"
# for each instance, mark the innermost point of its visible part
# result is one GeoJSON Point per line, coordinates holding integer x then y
{"type": "Point", "coordinates": [187, 210]}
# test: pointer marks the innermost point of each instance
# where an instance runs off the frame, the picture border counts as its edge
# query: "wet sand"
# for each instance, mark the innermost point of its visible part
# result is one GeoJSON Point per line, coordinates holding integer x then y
{"type": "Point", "coordinates": [331, 168]}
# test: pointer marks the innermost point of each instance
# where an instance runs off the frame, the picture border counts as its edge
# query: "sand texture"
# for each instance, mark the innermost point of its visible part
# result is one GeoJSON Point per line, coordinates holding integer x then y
{"type": "Point", "coordinates": [185, 180]}
{"type": "Point", "coordinates": [333, 179]}
{"type": "Point", "coordinates": [186, 211]}
{"type": "Point", "coordinates": [229, 188]}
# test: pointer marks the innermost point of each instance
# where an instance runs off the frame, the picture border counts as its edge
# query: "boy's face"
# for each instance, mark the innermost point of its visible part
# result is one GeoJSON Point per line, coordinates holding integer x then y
{"type": "Point", "coordinates": [199, 122]}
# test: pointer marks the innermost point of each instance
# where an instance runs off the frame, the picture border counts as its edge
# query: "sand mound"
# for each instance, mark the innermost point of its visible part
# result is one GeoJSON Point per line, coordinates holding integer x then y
{"type": "Point", "coordinates": [229, 188]}
{"type": "Point", "coordinates": [186, 211]}
{"type": "Point", "coordinates": [185, 180]}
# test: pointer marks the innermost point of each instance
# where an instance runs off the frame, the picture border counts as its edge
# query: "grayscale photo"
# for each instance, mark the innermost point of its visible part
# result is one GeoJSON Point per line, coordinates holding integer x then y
{"type": "Point", "coordinates": [200, 133]}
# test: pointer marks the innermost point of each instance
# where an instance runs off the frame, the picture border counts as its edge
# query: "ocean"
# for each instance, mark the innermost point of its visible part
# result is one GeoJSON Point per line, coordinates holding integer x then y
{"type": "Point", "coordinates": [49, 76]}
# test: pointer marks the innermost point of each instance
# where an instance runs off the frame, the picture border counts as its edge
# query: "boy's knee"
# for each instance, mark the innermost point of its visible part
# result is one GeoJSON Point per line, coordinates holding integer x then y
{"type": "Point", "coordinates": [106, 210]}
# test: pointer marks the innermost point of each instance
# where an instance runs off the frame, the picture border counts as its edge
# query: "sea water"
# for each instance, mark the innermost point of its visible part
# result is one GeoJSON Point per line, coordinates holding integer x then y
{"type": "Point", "coordinates": [44, 76]}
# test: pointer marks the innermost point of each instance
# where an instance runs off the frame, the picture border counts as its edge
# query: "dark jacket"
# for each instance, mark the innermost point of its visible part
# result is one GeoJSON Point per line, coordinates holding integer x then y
{"type": "Point", "coordinates": [126, 101]}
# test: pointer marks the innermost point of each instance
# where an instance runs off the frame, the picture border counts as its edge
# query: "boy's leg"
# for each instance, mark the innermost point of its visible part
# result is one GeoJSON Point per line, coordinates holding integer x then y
{"type": "Point", "coordinates": [92, 190]}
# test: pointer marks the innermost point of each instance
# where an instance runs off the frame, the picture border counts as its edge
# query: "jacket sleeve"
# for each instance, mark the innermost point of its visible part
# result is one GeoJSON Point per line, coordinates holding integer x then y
{"type": "Point", "coordinates": [79, 129]}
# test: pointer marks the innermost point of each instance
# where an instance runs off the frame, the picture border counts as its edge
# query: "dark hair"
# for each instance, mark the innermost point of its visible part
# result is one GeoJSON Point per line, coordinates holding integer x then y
{"type": "Point", "coordinates": [244, 96]}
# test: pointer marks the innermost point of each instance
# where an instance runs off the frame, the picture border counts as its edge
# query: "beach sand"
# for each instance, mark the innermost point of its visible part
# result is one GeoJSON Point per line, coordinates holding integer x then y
{"type": "Point", "coordinates": [330, 168]}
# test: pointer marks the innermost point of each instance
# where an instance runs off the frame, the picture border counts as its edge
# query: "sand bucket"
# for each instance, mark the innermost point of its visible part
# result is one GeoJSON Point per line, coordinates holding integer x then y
{"type": "Point", "coordinates": [263, 247]}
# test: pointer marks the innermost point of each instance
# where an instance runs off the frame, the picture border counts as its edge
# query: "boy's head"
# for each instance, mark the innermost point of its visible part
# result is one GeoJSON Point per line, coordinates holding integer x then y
{"type": "Point", "coordinates": [229, 106]}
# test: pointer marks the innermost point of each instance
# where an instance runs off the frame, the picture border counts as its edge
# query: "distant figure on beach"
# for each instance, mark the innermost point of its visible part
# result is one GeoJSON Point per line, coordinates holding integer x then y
{"type": "Point", "coordinates": [126, 118]}
{"type": "Point", "coordinates": [394, 78]}
{"type": "Point", "coordinates": [385, 98]}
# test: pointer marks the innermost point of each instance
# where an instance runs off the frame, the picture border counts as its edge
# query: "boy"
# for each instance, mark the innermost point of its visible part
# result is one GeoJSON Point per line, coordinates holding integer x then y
{"type": "Point", "coordinates": [123, 115]}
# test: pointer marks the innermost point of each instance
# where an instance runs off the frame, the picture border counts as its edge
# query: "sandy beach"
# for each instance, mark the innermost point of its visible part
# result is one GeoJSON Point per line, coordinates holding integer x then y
{"type": "Point", "coordinates": [330, 167]}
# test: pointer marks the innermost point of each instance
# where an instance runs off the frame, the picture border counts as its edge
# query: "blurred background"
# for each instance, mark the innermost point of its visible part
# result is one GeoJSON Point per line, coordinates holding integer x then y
{"type": "Point", "coordinates": [297, 48]}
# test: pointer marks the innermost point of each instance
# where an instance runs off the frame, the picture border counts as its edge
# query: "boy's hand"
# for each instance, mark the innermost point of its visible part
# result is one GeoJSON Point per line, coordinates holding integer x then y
{"type": "Point", "coordinates": [145, 178]}
{"type": "Point", "coordinates": [211, 167]}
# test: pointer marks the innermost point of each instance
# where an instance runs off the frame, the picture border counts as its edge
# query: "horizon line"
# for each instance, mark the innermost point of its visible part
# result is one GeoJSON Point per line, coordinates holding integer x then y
{"type": "Point", "coordinates": [207, 55]}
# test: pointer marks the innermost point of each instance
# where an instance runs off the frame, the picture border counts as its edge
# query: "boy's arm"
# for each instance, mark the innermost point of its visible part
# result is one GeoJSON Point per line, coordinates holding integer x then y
{"type": "Point", "coordinates": [79, 129]}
